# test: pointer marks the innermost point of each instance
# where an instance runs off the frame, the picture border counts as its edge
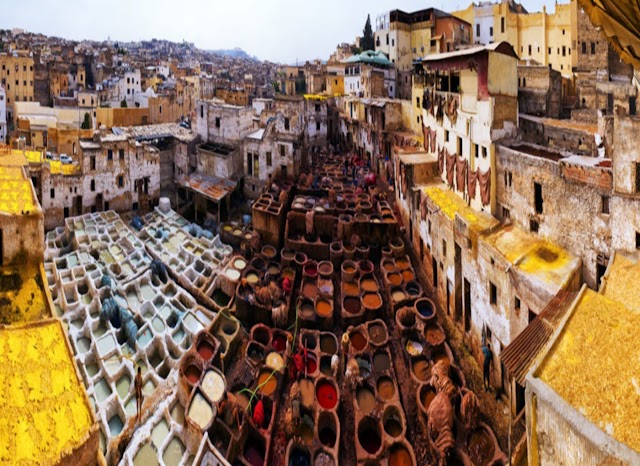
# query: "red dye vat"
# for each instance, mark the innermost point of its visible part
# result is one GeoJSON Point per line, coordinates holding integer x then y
{"type": "Point", "coordinates": [311, 270]}
{"type": "Point", "coordinates": [193, 374]}
{"type": "Point", "coordinates": [327, 395]}
{"type": "Point", "coordinates": [205, 350]}
{"type": "Point", "coordinates": [312, 364]}
{"type": "Point", "coordinates": [279, 343]}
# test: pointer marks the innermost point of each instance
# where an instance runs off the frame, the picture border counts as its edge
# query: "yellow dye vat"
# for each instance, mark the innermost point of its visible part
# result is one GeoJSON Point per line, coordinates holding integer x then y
{"type": "Point", "coordinates": [621, 283]}
{"type": "Point", "coordinates": [594, 366]}
{"type": "Point", "coordinates": [22, 297]}
{"type": "Point", "coordinates": [44, 413]}
{"type": "Point", "coordinates": [59, 168]}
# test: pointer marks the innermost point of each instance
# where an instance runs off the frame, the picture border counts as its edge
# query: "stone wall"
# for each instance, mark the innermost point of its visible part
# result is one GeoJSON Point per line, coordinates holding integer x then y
{"type": "Point", "coordinates": [540, 91]}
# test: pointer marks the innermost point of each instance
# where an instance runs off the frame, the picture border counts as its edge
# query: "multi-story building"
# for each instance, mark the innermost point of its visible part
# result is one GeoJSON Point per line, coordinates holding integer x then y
{"type": "Point", "coordinates": [370, 74]}
{"type": "Point", "coordinates": [16, 76]}
{"type": "Point", "coordinates": [3, 115]}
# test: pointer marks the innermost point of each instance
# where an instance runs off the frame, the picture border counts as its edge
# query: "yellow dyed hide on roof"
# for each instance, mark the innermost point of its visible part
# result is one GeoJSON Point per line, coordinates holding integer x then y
{"type": "Point", "coordinates": [44, 413]}
{"type": "Point", "coordinates": [621, 283]}
{"type": "Point", "coordinates": [451, 204]}
{"type": "Point", "coordinates": [16, 194]}
{"type": "Point", "coordinates": [594, 366]}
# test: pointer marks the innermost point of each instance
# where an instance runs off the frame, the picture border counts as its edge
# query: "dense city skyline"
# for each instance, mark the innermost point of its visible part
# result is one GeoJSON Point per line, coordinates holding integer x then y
{"type": "Point", "coordinates": [306, 37]}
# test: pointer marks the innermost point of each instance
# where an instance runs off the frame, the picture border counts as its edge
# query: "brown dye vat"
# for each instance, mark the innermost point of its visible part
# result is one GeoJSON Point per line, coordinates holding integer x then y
{"type": "Point", "coordinates": [480, 447]}
{"type": "Point", "coordinates": [261, 334]}
{"type": "Point", "coordinates": [386, 388]}
{"type": "Point", "coordinates": [377, 332]}
{"type": "Point", "coordinates": [381, 362]}
{"type": "Point", "coordinates": [307, 392]}
{"type": "Point", "coordinates": [400, 456]}
{"type": "Point", "coordinates": [358, 341]}
{"type": "Point", "coordinates": [366, 400]}
{"type": "Point", "coordinates": [372, 300]}
{"type": "Point", "coordinates": [351, 305]}
{"type": "Point", "coordinates": [255, 353]}
{"type": "Point", "coordinates": [205, 350]}
{"type": "Point", "coordinates": [350, 289]}
{"type": "Point", "coordinates": [309, 341]}
{"type": "Point", "coordinates": [306, 309]}
{"type": "Point", "coordinates": [327, 432]}
{"type": "Point", "coordinates": [389, 266]}
{"type": "Point", "coordinates": [369, 285]}
{"type": "Point", "coordinates": [328, 344]}
{"type": "Point", "coordinates": [440, 356]}
{"type": "Point", "coordinates": [427, 394]}
{"type": "Point", "coordinates": [421, 369]}
{"type": "Point", "coordinates": [394, 279]}
{"type": "Point", "coordinates": [392, 422]}
{"type": "Point", "coordinates": [325, 268]}
{"type": "Point", "coordinates": [369, 435]}
{"type": "Point", "coordinates": [407, 275]}
{"type": "Point", "coordinates": [406, 317]}
{"type": "Point", "coordinates": [434, 335]}
{"type": "Point", "coordinates": [274, 269]}
{"type": "Point", "coordinates": [307, 429]}
{"type": "Point", "coordinates": [269, 252]}
{"type": "Point", "coordinates": [349, 267]}
{"type": "Point", "coordinates": [267, 382]}
{"type": "Point", "coordinates": [323, 308]}
{"type": "Point", "coordinates": [309, 289]}
{"type": "Point", "coordinates": [325, 365]}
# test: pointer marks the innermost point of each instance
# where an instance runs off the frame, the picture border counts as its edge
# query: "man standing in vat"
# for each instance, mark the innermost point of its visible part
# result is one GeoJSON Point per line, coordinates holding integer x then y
{"type": "Point", "coordinates": [488, 361]}
{"type": "Point", "coordinates": [138, 388]}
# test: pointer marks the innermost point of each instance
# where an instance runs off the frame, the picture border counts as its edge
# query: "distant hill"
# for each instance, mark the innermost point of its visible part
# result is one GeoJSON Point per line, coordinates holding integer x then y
{"type": "Point", "coordinates": [236, 53]}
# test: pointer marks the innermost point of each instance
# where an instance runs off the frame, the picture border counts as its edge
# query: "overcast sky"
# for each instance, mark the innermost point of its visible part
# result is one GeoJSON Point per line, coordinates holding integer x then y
{"type": "Point", "coordinates": [278, 30]}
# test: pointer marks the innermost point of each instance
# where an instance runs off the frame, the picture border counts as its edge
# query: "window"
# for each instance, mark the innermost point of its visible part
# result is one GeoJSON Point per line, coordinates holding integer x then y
{"type": "Point", "coordinates": [444, 248]}
{"type": "Point", "coordinates": [52, 193]}
{"type": "Point", "coordinates": [269, 159]}
{"type": "Point", "coordinates": [605, 204]}
{"type": "Point", "coordinates": [106, 206]}
{"type": "Point", "coordinates": [502, 24]}
{"type": "Point", "coordinates": [637, 240]}
{"type": "Point", "coordinates": [109, 154]}
{"type": "Point", "coordinates": [537, 192]}
{"type": "Point", "coordinates": [93, 185]}
{"type": "Point", "coordinates": [446, 136]}
{"type": "Point", "coordinates": [459, 146]}
{"type": "Point", "coordinates": [249, 164]}
{"type": "Point", "coordinates": [493, 294]}
{"type": "Point", "coordinates": [524, 82]}
{"type": "Point", "coordinates": [217, 122]}
{"type": "Point", "coordinates": [201, 111]}
{"type": "Point", "coordinates": [160, 109]}
{"type": "Point", "coordinates": [66, 212]}
{"type": "Point", "coordinates": [517, 304]}
{"type": "Point", "coordinates": [593, 48]}
{"type": "Point", "coordinates": [632, 105]}
{"type": "Point", "coordinates": [317, 126]}
{"type": "Point", "coordinates": [256, 166]}
{"type": "Point", "coordinates": [121, 154]}
{"type": "Point", "coordinates": [549, 50]}
{"type": "Point", "coordinates": [491, 31]}
{"type": "Point", "coordinates": [120, 181]}
{"type": "Point", "coordinates": [393, 42]}
{"type": "Point", "coordinates": [506, 213]}
{"type": "Point", "coordinates": [417, 102]}
{"type": "Point", "coordinates": [93, 162]}
{"type": "Point", "coordinates": [564, 51]}
{"type": "Point", "coordinates": [387, 39]}
{"type": "Point", "coordinates": [282, 150]}
{"type": "Point", "coordinates": [534, 226]}
{"type": "Point", "coordinates": [584, 47]}
{"type": "Point", "coordinates": [478, 30]}
{"type": "Point", "coordinates": [529, 50]}
{"type": "Point", "coordinates": [476, 150]}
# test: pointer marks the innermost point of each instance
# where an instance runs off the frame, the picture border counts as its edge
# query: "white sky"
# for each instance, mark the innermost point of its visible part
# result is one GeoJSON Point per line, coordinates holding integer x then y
{"type": "Point", "coordinates": [277, 30]}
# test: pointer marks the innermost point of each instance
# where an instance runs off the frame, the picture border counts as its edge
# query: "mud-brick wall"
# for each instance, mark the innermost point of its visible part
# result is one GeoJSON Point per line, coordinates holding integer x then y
{"type": "Point", "coordinates": [562, 138]}
{"type": "Point", "coordinates": [572, 210]}
{"type": "Point", "coordinates": [22, 238]}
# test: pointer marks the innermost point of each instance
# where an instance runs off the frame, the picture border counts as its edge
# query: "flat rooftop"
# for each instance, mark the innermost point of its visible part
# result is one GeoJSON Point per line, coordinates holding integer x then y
{"type": "Point", "coordinates": [45, 413]}
{"type": "Point", "coordinates": [16, 192]}
{"type": "Point", "coordinates": [451, 204]}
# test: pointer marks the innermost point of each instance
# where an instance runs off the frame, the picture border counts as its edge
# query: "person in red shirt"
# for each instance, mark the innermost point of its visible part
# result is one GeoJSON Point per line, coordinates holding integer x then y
{"type": "Point", "coordinates": [287, 286]}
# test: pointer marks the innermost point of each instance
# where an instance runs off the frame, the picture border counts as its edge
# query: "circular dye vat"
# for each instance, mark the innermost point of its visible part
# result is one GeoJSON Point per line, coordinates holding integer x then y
{"type": "Point", "coordinates": [402, 264]}
{"type": "Point", "coordinates": [261, 335]}
{"type": "Point", "coordinates": [377, 333]}
{"type": "Point", "coordinates": [369, 436]}
{"type": "Point", "coordinates": [274, 361]}
{"type": "Point", "coordinates": [273, 269]}
{"type": "Point", "coordinates": [369, 285]}
{"type": "Point", "coordinates": [386, 388]}
{"type": "Point", "coordinates": [406, 317]}
{"type": "Point", "coordinates": [252, 277]}
{"type": "Point", "coordinates": [328, 344]}
{"type": "Point", "coordinates": [312, 364]}
{"type": "Point", "coordinates": [427, 394]}
{"type": "Point", "coordinates": [372, 300]}
{"type": "Point", "coordinates": [434, 335]}
{"type": "Point", "coordinates": [254, 453]}
{"type": "Point", "coordinates": [414, 348]}
{"type": "Point", "coordinates": [205, 350]}
{"type": "Point", "coordinates": [350, 289]}
{"type": "Point", "coordinates": [240, 264]}
{"type": "Point", "coordinates": [349, 267]}
{"type": "Point", "coordinates": [381, 362]}
{"type": "Point", "coordinates": [233, 274]}
{"type": "Point", "coordinates": [389, 266]}
{"type": "Point", "coordinates": [398, 295]}
{"type": "Point", "coordinates": [193, 373]}
{"type": "Point", "coordinates": [366, 399]}
{"type": "Point", "coordinates": [309, 289]}
{"type": "Point", "coordinates": [480, 446]}
{"type": "Point", "coordinates": [325, 268]}
{"type": "Point", "coordinates": [267, 382]}
{"type": "Point", "coordinates": [323, 308]}
{"type": "Point", "coordinates": [213, 386]}
{"type": "Point", "coordinates": [392, 422]}
{"type": "Point", "coordinates": [269, 251]}
{"type": "Point", "coordinates": [299, 457]}
{"type": "Point", "coordinates": [351, 305]}
{"type": "Point", "coordinates": [413, 289]}
{"type": "Point", "coordinates": [400, 456]}
{"type": "Point", "coordinates": [421, 369]}
{"type": "Point", "coordinates": [358, 341]}
{"type": "Point", "coordinates": [306, 309]}
{"type": "Point", "coordinates": [279, 342]}
{"type": "Point", "coordinates": [395, 279]}
{"type": "Point", "coordinates": [307, 392]}
{"type": "Point", "coordinates": [365, 266]}
{"type": "Point", "coordinates": [407, 275]}
{"type": "Point", "coordinates": [326, 394]}
{"type": "Point", "coordinates": [425, 308]}
{"type": "Point", "coordinates": [200, 411]}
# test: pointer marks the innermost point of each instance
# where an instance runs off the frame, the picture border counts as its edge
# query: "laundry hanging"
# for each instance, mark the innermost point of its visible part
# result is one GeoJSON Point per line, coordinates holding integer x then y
{"type": "Point", "coordinates": [461, 174]}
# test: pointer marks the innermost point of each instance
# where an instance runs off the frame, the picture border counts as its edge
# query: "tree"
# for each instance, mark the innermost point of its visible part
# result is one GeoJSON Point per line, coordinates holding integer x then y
{"type": "Point", "coordinates": [123, 104]}
{"type": "Point", "coordinates": [276, 86]}
{"type": "Point", "coordinates": [367, 43]}
{"type": "Point", "coordinates": [86, 124]}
